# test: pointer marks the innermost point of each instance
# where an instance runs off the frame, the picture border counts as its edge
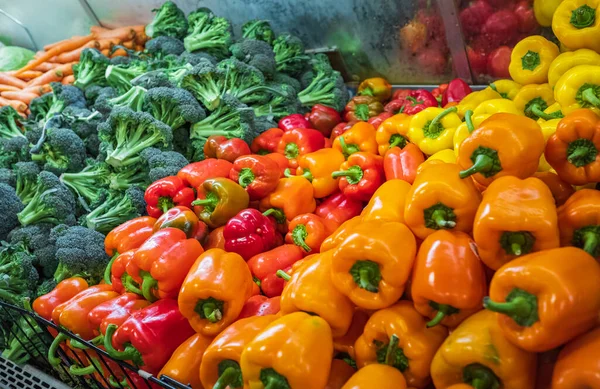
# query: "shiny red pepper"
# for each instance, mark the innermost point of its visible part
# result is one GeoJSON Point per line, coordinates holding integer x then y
{"type": "Point", "coordinates": [129, 235]}
{"type": "Point", "coordinates": [324, 118]}
{"type": "Point", "coordinates": [267, 142]}
{"type": "Point", "coordinates": [282, 162]}
{"type": "Point", "coordinates": [185, 220]}
{"type": "Point", "coordinates": [418, 100]}
{"type": "Point", "coordinates": [249, 233]}
{"type": "Point", "coordinates": [196, 173]}
{"type": "Point", "coordinates": [361, 175]}
{"type": "Point", "coordinates": [166, 193]}
{"type": "Point", "coordinates": [264, 266]}
{"type": "Point", "coordinates": [395, 106]}
{"type": "Point", "coordinates": [340, 129]}
{"type": "Point", "coordinates": [308, 231]}
{"type": "Point", "coordinates": [257, 174]}
{"type": "Point", "coordinates": [292, 121]}
{"type": "Point", "coordinates": [457, 90]}
{"type": "Point", "coordinates": [402, 163]}
{"type": "Point", "coordinates": [115, 311]}
{"type": "Point", "coordinates": [439, 92]}
{"type": "Point", "coordinates": [260, 306]}
{"type": "Point", "coordinates": [218, 146]}
{"type": "Point", "coordinates": [298, 142]}
{"type": "Point", "coordinates": [338, 208]}
{"type": "Point", "coordinates": [474, 16]}
{"type": "Point", "coordinates": [120, 279]}
{"type": "Point", "coordinates": [375, 121]}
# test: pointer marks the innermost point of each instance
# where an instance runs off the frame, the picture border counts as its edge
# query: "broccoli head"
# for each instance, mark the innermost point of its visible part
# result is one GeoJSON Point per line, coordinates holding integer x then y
{"type": "Point", "coordinates": [13, 150]}
{"type": "Point", "coordinates": [263, 123]}
{"type": "Point", "coordinates": [26, 175]}
{"type": "Point", "coordinates": [10, 206]}
{"type": "Point", "coordinates": [164, 45]}
{"type": "Point", "coordinates": [62, 151]}
{"type": "Point", "coordinates": [203, 82]}
{"type": "Point", "coordinates": [84, 123]}
{"type": "Point", "coordinates": [36, 241]}
{"type": "Point", "coordinates": [87, 183]}
{"type": "Point", "coordinates": [90, 69]}
{"type": "Point", "coordinates": [174, 106]}
{"type": "Point", "coordinates": [326, 89]}
{"type": "Point", "coordinates": [18, 276]}
{"type": "Point", "coordinates": [282, 78]}
{"type": "Point", "coordinates": [46, 286]}
{"type": "Point", "coordinates": [9, 119]}
{"type": "Point", "coordinates": [162, 164]}
{"type": "Point", "coordinates": [244, 82]}
{"type": "Point", "coordinates": [209, 33]}
{"type": "Point", "coordinates": [7, 177]}
{"type": "Point", "coordinates": [101, 103]}
{"type": "Point", "coordinates": [79, 252]}
{"type": "Point", "coordinates": [282, 103]}
{"type": "Point", "coordinates": [126, 133]}
{"type": "Point", "coordinates": [258, 29]}
{"type": "Point", "coordinates": [133, 98]}
{"type": "Point", "coordinates": [120, 76]}
{"type": "Point", "coordinates": [153, 79]}
{"type": "Point", "coordinates": [181, 142]}
{"type": "Point", "coordinates": [197, 57]}
{"type": "Point", "coordinates": [289, 54]}
{"type": "Point", "coordinates": [118, 208]}
{"type": "Point", "coordinates": [52, 203]}
{"type": "Point", "coordinates": [256, 53]}
{"type": "Point", "coordinates": [64, 96]}
{"type": "Point", "coordinates": [168, 21]}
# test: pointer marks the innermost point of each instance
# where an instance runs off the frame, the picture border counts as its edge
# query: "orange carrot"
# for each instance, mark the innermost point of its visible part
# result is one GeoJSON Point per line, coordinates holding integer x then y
{"type": "Point", "coordinates": [125, 33]}
{"type": "Point", "coordinates": [119, 53]}
{"type": "Point", "coordinates": [29, 75]}
{"type": "Point", "coordinates": [18, 105]}
{"type": "Point", "coordinates": [8, 88]}
{"type": "Point", "coordinates": [52, 45]}
{"type": "Point", "coordinates": [108, 43]}
{"type": "Point", "coordinates": [128, 44]}
{"type": "Point", "coordinates": [44, 67]}
{"type": "Point", "coordinates": [106, 52]}
{"type": "Point", "coordinates": [39, 89]}
{"type": "Point", "coordinates": [69, 45]}
{"type": "Point", "coordinates": [98, 29]}
{"type": "Point", "coordinates": [25, 97]}
{"type": "Point", "coordinates": [55, 74]}
{"type": "Point", "coordinates": [73, 55]}
{"type": "Point", "coordinates": [8, 79]}
{"type": "Point", "coordinates": [68, 79]}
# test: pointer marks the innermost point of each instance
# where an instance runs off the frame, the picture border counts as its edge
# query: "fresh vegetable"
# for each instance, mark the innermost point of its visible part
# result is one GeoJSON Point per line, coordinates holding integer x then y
{"type": "Point", "coordinates": [249, 233]}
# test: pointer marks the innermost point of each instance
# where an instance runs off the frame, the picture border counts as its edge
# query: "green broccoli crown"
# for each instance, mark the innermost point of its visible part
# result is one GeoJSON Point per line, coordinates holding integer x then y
{"type": "Point", "coordinates": [258, 29]}
{"type": "Point", "coordinates": [80, 252]}
{"type": "Point", "coordinates": [153, 79]}
{"type": "Point", "coordinates": [325, 89]}
{"type": "Point", "coordinates": [39, 107]}
{"type": "Point", "coordinates": [242, 81]}
{"type": "Point", "coordinates": [126, 133]}
{"type": "Point", "coordinates": [46, 286]}
{"type": "Point", "coordinates": [282, 103]}
{"type": "Point", "coordinates": [36, 241]}
{"type": "Point", "coordinates": [7, 177]}
{"type": "Point", "coordinates": [13, 150]}
{"type": "Point", "coordinates": [117, 209]}
{"type": "Point", "coordinates": [162, 164]}
{"type": "Point", "coordinates": [168, 21]}
{"type": "Point", "coordinates": [208, 32]}
{"type": "Point", "coordinates": [62, 151]}
{"type": "Point", "coordinates": [18, 276]}
{"type": "Point", "coordinates": [282, 78]}
{"type": "Point", "coordinates": [101, 103]}
{"type": "Point", "coordinates": [52, 203]}
{"type": "Point", "coordinates": [91, 69]}
{"type": "Point", "coordinates": [164, 45]}
{"type": "Point", "coordinates": [10, 206]}
{"type": "Point", "coordinates": [120, 76]}
{"type": "Point", "coordinates": [26, 174]}
{"type": "Point", "coordinates": [197, 57]}
{"type": "Point", "coordinates": [289, 54]}
{"type": "Point", "coordinates": [84, 123]}
{"type": "Point", "coordinates": [133, 98]}
{"type": "Point", "coordinates": [203, 82]}
{"type": "Point", "coordinates": [63, 96]}
{"type": "Point", "coordinates": [9, 119]}
{"type": "Point", "coordinates": [85, 184]}
{"type": "Point", "coordinates": [263, 123]}
{"type": "Point", "coordinates": [174, 106]}
{"type": "Point", "coordinates": [256, 53]}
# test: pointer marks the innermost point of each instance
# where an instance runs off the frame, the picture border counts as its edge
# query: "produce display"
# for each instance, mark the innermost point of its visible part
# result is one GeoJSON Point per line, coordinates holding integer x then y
{"type": "Point", "coordinates": [219, 210]}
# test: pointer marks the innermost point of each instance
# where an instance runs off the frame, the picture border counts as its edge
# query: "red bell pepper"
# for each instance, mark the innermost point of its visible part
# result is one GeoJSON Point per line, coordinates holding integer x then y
{"type": "Point", "coordinates": [185, 220]}
{"type": "Point", "coordinates": [434, 59]}
{"type": "Point", "coordinates": [282, 163]}
{"type": "Point", "coordinates": [257, 174]}
{"type": "Point", "coordinates": [308, 231]}
{"type": "Point", "coordinates": [264, 266]}
{"type": "Point", "coordinates": [498, 62]}
{"type": "Point", "coordinates": [298, 142]}
{"type": "Point", "coordinates": [129, 235]}
{"type": "Point", "coordinates": [260, 306]}
{"type": "Point", "coordinates": [418, 100]}
{"type": "Point", "coordinates": [526, 17]}
{"type": "Point", "coordinates": [324, 119]}
{"type": "Point", "coordinates": [396, 106]}
{"type": "Point", "coordinates": [267, 142]}
{"type": "Point", "coordinates": [474, 16]}
{"type": "Point", "coordinates": [438, 92]}
{"type": "Point", "coordinates": [196, 173]}
{"type": "Point", "coordinates": [375, 121]}
{"type": "Point", "coordinates": [293, 121]}
{"type": "Point", "coordinates": [338, 208]}
{"type": "Point", "coordinates": [401, 94]}
{"type": "Point", "coordinates": [221, 147]}
{"type": "Point", "coordinates": [249, 233]}
{"type": "Point", "coordinates": [120, 279]}
{"type": "Point", "coordinates": [457, 90]}
{"type": "Point", "coordinates": [403, 163]}
{"type": "Point", "coordinates": [500, 28]}
{"type": "Point", "coordinates": [477, 60]}
{"type": "Point", "coordinates": [340, 129]}
{"type": "Point", "coordinates": [115, 311]}
{"type": "Point", "coordinates": [166, 193]}
{"type": "Point", "coordinates": [149, 336]}
{"type": "Point", "coordinates": [361, 175]}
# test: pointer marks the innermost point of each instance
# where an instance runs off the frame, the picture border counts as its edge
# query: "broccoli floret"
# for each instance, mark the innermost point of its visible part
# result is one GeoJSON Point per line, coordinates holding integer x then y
{"type": "Point", "coordinates": [168, 21]}
{"type": "Point", "coordinates": [197, 57]}
{"type": "Point", "coordinates": [281, 104]}
{"type": "Point", "coordinates": [84, 123]}
{"type": "Point", "coordinates": [258, 29]}
{"type": "Point", "coordinates": [46, 286]}
{"type": "Point", "coordinates": [10, 206]}
{"type": "Point", "coordinates": [244, 82]}
{"type": "Point", "coordinates": [36, 241]}
{"type": "Point", "coordinates": [134, 175]}
{"type": "Point", "coordinates": [91, 69]}
{"type": "Point", "coordinates": [9, 119]}
{"type": "Point", "coordinates": [133, 98]}
{"type": "Point", "coordinates": [121, 60]}
{"type": "Point", "coordinates": [263, 123]}
{"type": "Point", "coordinates": [174, 106]}
{"type": "Point", "coordinates": [203, 82]}
{"type": "Point", "coordinates": [289, 54]}
{"type": "Point", "coordinates": [52, 203]}
{"type": "Point", "coordinates": [62, 151]}
{"type": "Point", "coordinates": [26, 174]}
{"type": "Point", "coordinates": [282, 78]}
{"type": "Point", "coordinates": [256, 53]}
{"type": "Point", "coordinates": [153, 79]}
{"type": "Point", "coordinates": [64, 96]}
{"type": "Point", "coordinates": [13, 150]}
{"type": "Point", "coordinates": [18, 276]}
{"type": "Point", "coordinates": [126, 133]}
{"type": "Point", "coordinates": [39, 107]}
{"type": "Point", "coordinates": [120, 76]}
{"type": "Point", "coordinates": [164, 45]}
{"type": "Point", "coordinates": [327, 89]}
{"type": "Point", "coordinates": [101, 103]}
{"type": "Point", "coordinates": [91, 93]}
{"type": "Point", "coordinates": [162, 164]}
{"type": "Point", "coordinates": [87, 183]}
{"type": "Point", "coordinates": [319, 63]}
{"type": "Point", "coordinates": [181, 142]}
{"type": "Point", "coordinates": [209, 33]}
{"type": "Point", "coordinates": [7, 177]}
{"type": "Point", "coordinates": [117, 209]}
{"type": "Point", "coordinates": [80, 252]}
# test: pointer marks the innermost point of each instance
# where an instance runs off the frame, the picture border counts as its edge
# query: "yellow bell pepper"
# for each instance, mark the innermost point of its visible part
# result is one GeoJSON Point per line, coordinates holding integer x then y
{"type": "Point", "coordinates": [531, 59]}
{"type": "Point", "coordinates": [433, 129]}
{"type": "Point", "coordinates": [490, 107]}
{"type": "Point", "coordinates": [548, 127]}
{"type": "Point", "coordinates": [446, 156]}
{"type": "Point", "coordinates": [508, 89]}
{"type": "Point", "coordinates": [569, 60]}
{"type": "Point", "coordinates": [544, 10]}
{"type": "Point", "coordinates": [579, 88]}
{"type": "Point", "coordinates": [463, 131]}
{"type": "Point", "coordinates": [473, 99]}
{"type": "Point", "coordinates": [534, 99]}
{"type": "Point", "coordinates": [576, 24]}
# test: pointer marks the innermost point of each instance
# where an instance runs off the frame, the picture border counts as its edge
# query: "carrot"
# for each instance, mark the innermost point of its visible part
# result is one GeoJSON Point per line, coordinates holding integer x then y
{"type": "Point", "coordinates": [69, 45]}
{"type": "Point", "coordinates": [106, 52]}
{"type": "Point", "coordinates": [119, 53]}
{"type": "Point", "coordinates": [18, 105]}
{"type": "Point", "coordinates": [98, 29]}
{"type": "Point", "coordinates": [30, 74]}
{"type": "Point", "coordinates": [25, 97]}
{"type": "Point", "coordinates": [73, 55]}
{"type": "Point", "coordinates": [52, 45]}
{"type": "Point", "coordinates": [55, 74]}
{"type": "Point", "coordinates": [128, 44]}
{"type": "Point", "coordinates": [108, 43]}
{"type": "Point", "coordinates": [8, 88]}
{"type": "Point", "coordinates": [44, 67]}
{"type": "Point", "coordinates": [68, 79]}
{"type": "Point", "coordinates": [8, 79]}
{"type": "Point", "coordinates": [39, 89]}
{"type": "Point", "coordinates": [125, 33]}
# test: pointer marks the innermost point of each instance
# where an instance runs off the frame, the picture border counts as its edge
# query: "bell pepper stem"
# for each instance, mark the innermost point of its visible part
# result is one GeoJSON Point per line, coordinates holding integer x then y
{"type": "Point", "coordinates": [439, 316]}
{"type": "Point", "coordinates": [391, 351]}
{"type": "Point", "coordinates": [583, 17]}
{"type": "Point", "coordinates": [165, 203]}
{"type": "Point", "coordinates": [108, 269]}
{"type": "Point", "coordinates": [480, 377]}
{"type": "Point", "coordinates": [212, 313]}
{"type": "Point", "coordinates": [273, 380]}
{"type": "Point", "coordinates": [53, 358]}
{"type": "Point", "coordinates": [397, 140]}
{"type": "Point", "coordinates": [436, 120]}
{"type": "Point", "coordinates": [440, 218]}
{"type": "Point", "coordinates": [348, 149]}
{"type": "Point", "coordinates": [291, 151]}
{"type": "Point", "coordinates": [520, 305]}
{"type": "Point", "coordinates": [589, 95]}
{"type": "Point", "coordinates": [277, 214]}
{"type": "Point", "coordinates": [95, 341]}
{"type": "Point", "coordinates": [210, 309]}
{"type": "Point", "coordinates": [130, 286]}
{"type": "Point", "coordinates": [148, 286]}
{"type": "Point", "coordinates": [537, 111]}
{"type": "Point", "coordinates": [117, 384]}
{"type": "Point", "coordinates": [284, 275]}
{"type": "Point", "coordinates": [354, 174]}
{"type": "Point", "coordinates": [482, 163]}
{"type": "Point", "coordinates": [130, 353]}
{"type": "Point", "coordinates": [590, 242]}
{"type": "Point", "coordinates": [469, 121]}
{"type": "Point", "coordinates": [79, 370]}
{"type": "Point", "coordinates": [367, 275]}
{"type": "Point", "coordinates": [229, 376]}
{"type": "Point", "coordinates": [246, 177]}
{"type": "Point", "coordinates": [208, 201]}
{"type": "Point", "coordinates": [299, 235]}
{"type": "Point", "coordinates": [517, 242]}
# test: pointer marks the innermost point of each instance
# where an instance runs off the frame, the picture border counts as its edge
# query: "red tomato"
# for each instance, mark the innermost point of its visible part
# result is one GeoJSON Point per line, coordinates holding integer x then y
{"type": "Point", "coordinates": [477, 60]}
{"type": "Point", "coordinates": [498, 61]}
{"type": "Point", "coordinates": [526, 17]}
{"type": "Point", "coordinates": [432, 60]}
{"type": "Point", "coordinates": [500, 28]}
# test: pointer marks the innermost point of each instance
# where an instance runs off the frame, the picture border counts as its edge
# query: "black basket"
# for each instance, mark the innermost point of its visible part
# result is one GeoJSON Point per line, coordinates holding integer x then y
{"type": "Point", "coordinates": [36, 338]}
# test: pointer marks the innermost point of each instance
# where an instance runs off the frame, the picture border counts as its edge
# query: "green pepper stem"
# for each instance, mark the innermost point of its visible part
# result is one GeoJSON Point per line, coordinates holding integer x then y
{"type": "Point", "coordinates": [165, 203]}
{"type": "Point", "coordinates": [590, 242]}
{"type": "Point", "coordinates": [397, 140]}
{"type": "Point", "coordinates": [535, 109]}
{"type": "Point", "coordinates": [583, 17]}
{"type": "Point", "coordinates": [212, 312]}
{"type": "Point", "coordinates": [589, 95]}
{"type": "Point", "coordinates": [130, 353]}
{"type": "Point", "coordinates": [210, 201]}
{"type": "Point", "coordinates": [480, 377]}
{"type": "Point", "coordinates": [435, 122]}
{"type": "Point", "coordinates": [291, 151]}
{"type": "Point", "coordinates": [354, 174]}
{"type": "Point", "coordinates": [482, 164]}
{"type": "Point", "coordinates": [96, 341]}
{"type": "Point", "coordinates": [367, 275]}
{"type": "Point", "coordinates": [148, 286]}
{"type": "Point", "coordinates": [116, 384]}
{"type": "Point", "coordinates": [79, 370]}
{"type": "Point", "coordinates": [439, 216]}
{"type": "Point", "coordinates": [229, 376]}
{"type": "Point", "coordinates": [277, 214]}
{"type": "Point", "coordinates": [273, 380]}
{"type": "Point", "coordinates": [362, 112]}
{"type": "Point", "coordinates": [413, 100]}
{"type": "Point", "coordinates": [284, 275]}
{"type": "Point", "coordinates": [299, 235]}
{"type": "Point", "coordinates": [519, 306]}
{"type": "Point", "coordinates": [53, 358]}
{"type": "Point", "coordinates": [391, 351]}
{"type": "Point", "coordinates": [439, 316]}
{"type": "Point", "coordinates": [469, 121]}
{"type": "Point", "coordinates": [130, 285]}
{"type": "Point", "coordinates": [365, 92]}
{"type": "Point", "coordinates": [246, 177]}
{"type": "Point", "coordinates": [348, 149]}
{"type": "Point", "coordinates": [108, 269]}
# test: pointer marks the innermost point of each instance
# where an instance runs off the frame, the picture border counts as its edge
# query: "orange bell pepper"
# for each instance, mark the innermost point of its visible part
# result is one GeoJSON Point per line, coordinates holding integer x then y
{"type": "Point", "coordinates": [573, 150]}
{"type": "Point", "coordinates": [478, 354]}
{"type": "Point", "coordinates": [317, 167]}
{"type": "Point", "coordinates": [392, 132]}
{"type": "Point", "coordinates": [339, 374]}
{"type": "Point", "coordinates": [129, 235]}
{"type": "Point", "coordinates": [340, 234]}
{"type": "Point", "coordinates": [546, 299]}
{"type": "Point", "coordinates": [398, 336]}
{"type": "Point", "coordinates": [185, 362]}
{"type": "Point", "coordinates": [307, 231]}
{"type": "Point", "coordinates": [579, 221]}
{"type": "Point", "coordinates": [439, 199]}
{"type": "Point", "coordinates": [62, 292]}
{"type": "Point", "coordinates": [561, 191]}
{"type": "Point", "coordinates": [360, 176]}
{"type": "Point", "coordinates": [376, 87]}
{"type": "Point", "coordinates": [361, 137]}
{"type": "Point", "coordinates": [403, 163]}
{"type": "Point", "coordinates": [292, 197]}
{"type": "Point", "coordinates": [310, 290]}
{"type": "Point", "coordinates": [215, 239]}
{"type": "Point", "coordinates": [345, 343]}
{"type": "Point", "coordinates": [448, 280]}
{"type": "Point", "coordinates": [367, 266]}
{"type": "Point", "coordinates": [220, 366]}
{"type": "Point", "coordinates": [504, 145]}
{"type": "Point", "coordinates": [376, 376]}
{"type": "Point", "coordinates": [516, 217]}
{"type": "Point", "coordinates": [298, 337]}
{"type": "Point", "coordinates": [207, 298]}
{"type": "Point", "coordinates": [387, 203]}
{"type": "Point", "coordinates": [578, 364]}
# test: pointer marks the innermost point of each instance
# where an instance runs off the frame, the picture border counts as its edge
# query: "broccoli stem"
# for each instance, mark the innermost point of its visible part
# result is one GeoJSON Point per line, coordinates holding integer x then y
{"type": "Point", "coordinates": [122, 155]}
{"type": "Point", "coordinates": [36, 211]}
{"type": "Point", "coordinates": [203, 40]}
{"type": "Point", "coordinates": [11, 131]}
{"type": "Point", "coordinates": [85, 184]}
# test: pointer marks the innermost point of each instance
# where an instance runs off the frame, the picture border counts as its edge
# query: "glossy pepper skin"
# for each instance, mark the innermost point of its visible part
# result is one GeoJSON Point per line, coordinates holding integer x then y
{"type": "Point", "coordinates": [433, 129]}
{"type": "Point", "coordinates": [504, 145]}
{"type": "Point", "coordinates": [339, 374]}
{"type": "Point", "coordinates": [392, 132]}
{"type": "Point", "coordinates": [561, 191]}
{"type": "Point", "coordinates": [515, 217]}
{"type": "Point", "coordinates": [206, 298]}
{"type": "Point", "coordinates": [308, 231]}
{"type": "Point", "coordinates": [249, 233]}
{"type": "Point", "coordinates": [317, 167]}
{"type": "Point", "coordinates": [456, 91]}
{"type": "Point", "coordinates": [530, 60]}
{"type": "Point", "coordinates": [376, 87]}
{"type": "Point", "coordinates": [439, 199]}
{"type": "Point", "coordinates": [221, 362]}
{"type": "Point", "coordinates": [579, 221]}
{"type": "Point", "coordinates": [310, 290]}
{"type": "Point", "coordinates": [264, 266]}
{"type": "Point", "coordinates": [164, 261]}
{"type": "Point", "coordinates": [360, 175]}
{"type": "Point", "coordinates": [544, 10]}
{"type": "Point", "coordinates": [129, 235]}
{"type": "Point", "coordinates": [569, 60]}
{"type": "Point", "coordinates": [336, 209]}
{"type": "Point", "coordinates": [150, 336]}
{"type": "Point", "coordinates": [324, 119]}
{"type": "Point", "coordinates": [472, 100]}
{"type": "Point", "coordinates": [120, 279]}
{"type": "Point", "coordinates": [298, 336]}
{"type": "Point", "coordinates": [260, 305]}
{"type": "Point", "coordinates": [534, 99]}
{"type": "Point", "coordinates": [257, 174]}
{"type": "Point", "coordinates": [229, 149]}
{"type": "Point", "coordinates": [402, 163]}
{"type": "Point", "coordinates": [115, 311]}
{"type": "Point", "coordinates": [360, 137]}
{"type": "Point", "coordinates": [489, 107]}
{"type": "Point", "coordinates": [508, 89]}
{"type": "Point", "coordinates": [573, 149]}
{"type": "Point", "coordinates": [184, 219]}
{"type": "Point", "coordinates": [293, 196]}
{"type": "Point", "coordinates": [299, 141]}
{"type": "Point", "coordinates": [376, 376]}
{"type": "Point", "coordinates": [197, 172]}
{"type": "Point", "coordinates": [219, 199]}
{"type": "Point", "coordinates": [544, 300]}
{"type": "Point", "coordinates": [368, 268]}
{"type": "Point", "coordinates": [578, 363]}
{"type": "Point", "coordinates": [184, 364]}
{"type": "Point", "coordinates": [578, 88]}
{"type": "Point", "coordinates": [419, 100]}
{"type": "Point", "coordinates": [485, 358]}
{"type": "Point", "coordinates": [62, 292]}
{"type": "Point", "coordinates": [362, 108]}
{"type": "Point", "coordinates": [166, 193]}
{"type": "Point", "coordinates": [387, 203]}
{"type": "Point", "coordinates": [448, 279]}
{"type": "Point", "coordinates": [398, 336]}
{"type": "Point", "coordinates": [293, 121]}
{"type": "Point", "coordinates": [345, 343]}
{"type": "Point", "coordinates": [576, 24]}
{"type": "Point", "coordinates": [267, 142]}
